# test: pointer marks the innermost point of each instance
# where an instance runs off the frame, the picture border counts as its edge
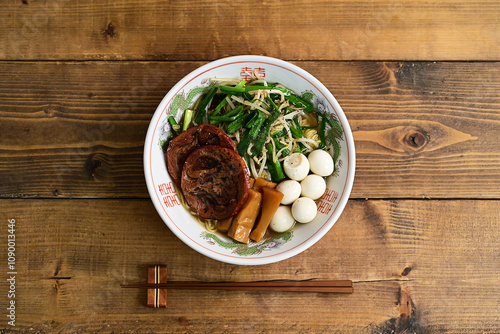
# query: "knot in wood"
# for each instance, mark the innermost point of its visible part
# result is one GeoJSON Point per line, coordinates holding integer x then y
{"type": "Point", "coordinates": [415, 139]}
{"type": "Point", "coordinates": [92, 165]}
{"type": "Point", "coordinates": [109, 31]}
{"type": "Point", "coordinates": [52, 110]}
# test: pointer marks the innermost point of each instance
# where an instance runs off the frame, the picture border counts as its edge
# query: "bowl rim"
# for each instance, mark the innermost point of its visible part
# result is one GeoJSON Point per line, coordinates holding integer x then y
{"type": "Point", "coordinates": [328, 224]}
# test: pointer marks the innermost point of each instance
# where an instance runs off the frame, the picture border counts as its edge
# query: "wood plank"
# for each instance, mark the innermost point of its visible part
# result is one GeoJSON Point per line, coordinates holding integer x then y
{"type": "Point", "coordinates": [76, 129]}
{"type": "Point", "coordinates": [418, 266]}
{"type": "Point", "coordinates": [292, 30]}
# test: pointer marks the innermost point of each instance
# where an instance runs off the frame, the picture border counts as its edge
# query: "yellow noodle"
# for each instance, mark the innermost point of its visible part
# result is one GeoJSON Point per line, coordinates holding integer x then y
{"type": "Point", "coordinates": [311, 134]}
{"type": "Point", "coordinates": [310, 120]}
{"type": "Point", "coordinates": [209, 224]}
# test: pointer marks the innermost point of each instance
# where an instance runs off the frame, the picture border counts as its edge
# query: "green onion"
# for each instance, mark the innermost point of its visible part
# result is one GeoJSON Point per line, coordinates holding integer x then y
{"type": "Point", "coordinates": [241, 83]}
{"type": "Point", "coordinates": [299, 102]}
{"type": "Point", "coordinates": [264, 131]}
{"type": "Point", "coordinates": [228, 117]}
{"type": "Point", "coordinates": [275, 107]}
{"type": "Point", "coordinates": [279, 145]}
{"type": "Point", "coordinates": [202, 108]}
{"type": "Point", "coordinates": [244, 143]}
{"type": "Point", "coordinates": [252, 120]}
{"type": "Point", "coordinates": [296, 131]}
{"type": "Point", "coordinates": [257, 124]}
{"type": "Point", "coordinates": [250, 134]}
{"type": "Point", "coordinates": [173, 122]}
{"type": "Point", "coordinates": [321, 133]}
{"type": "Point", "coordinates": [188, 115]}
{"type": "Point", "coordinates": [238, 123]}
{"type": "Point", "coordinates": [237, 110]}
{"type": "Point", "coordinates": [220, 106]}
{"type": "Point", "coordinates": [280, 133]}
{"type": "Point", "coordinates": [230, 90]}
{"type": "Point", "coordinates": [274, 167]}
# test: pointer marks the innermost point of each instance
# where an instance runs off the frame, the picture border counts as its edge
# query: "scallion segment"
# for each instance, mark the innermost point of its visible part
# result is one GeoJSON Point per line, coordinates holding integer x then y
{"type": "Point", "coordinates": [238, 123]}
{"type": "Point", "coordinates": [274, 166]}
{"type": "Point", "coordinates": [173, 125]}
{"type": "Point", "coordinates": [229, 117]}
{"type": "Point", "coordinates": [264, 132]}
{"type": "Point", "coordinates": [202, 108]}
{"type": "Point", "coordinates": [188, 115]}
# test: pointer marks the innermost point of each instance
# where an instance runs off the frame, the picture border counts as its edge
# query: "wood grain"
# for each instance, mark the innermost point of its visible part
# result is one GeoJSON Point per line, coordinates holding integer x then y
{"type": "Point", "coordinates": [418, 266]}
{"type": "Point", "coordinates": [422, 130]}
{"type": "Point", "coordinates": [419, 82]}
{"type": "Point", "coordinates": [291, 30]}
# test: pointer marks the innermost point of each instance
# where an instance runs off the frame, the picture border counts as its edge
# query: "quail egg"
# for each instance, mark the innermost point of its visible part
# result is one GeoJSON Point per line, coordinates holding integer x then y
{"type": "Point", "coordinates": [304, 210]}
{"type": "Point", "coordinates": [290, 189]}
{"type": "Point", "coordinates": [313, 186]}
{"type": "Point", "coordinates": [296, 166]}
{"type": "Point", "coordinates": [282, 220]}
{"type": "Point", "coordinates": [321, 163]}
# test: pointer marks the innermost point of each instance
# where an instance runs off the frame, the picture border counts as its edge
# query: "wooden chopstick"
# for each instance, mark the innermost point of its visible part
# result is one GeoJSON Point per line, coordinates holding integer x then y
{"type": "Point", "coordinates": [279, 283]}
{"type": "Point", "coordinates": [325, 286]}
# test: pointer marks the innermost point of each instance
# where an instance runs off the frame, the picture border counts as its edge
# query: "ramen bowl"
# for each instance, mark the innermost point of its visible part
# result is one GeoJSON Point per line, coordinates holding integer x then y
{"type": "Point", "coordinates": [185, 225]}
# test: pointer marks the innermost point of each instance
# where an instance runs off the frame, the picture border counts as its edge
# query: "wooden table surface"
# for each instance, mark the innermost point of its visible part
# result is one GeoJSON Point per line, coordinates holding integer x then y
{"type": "Point", "coordinates": [419, 82]}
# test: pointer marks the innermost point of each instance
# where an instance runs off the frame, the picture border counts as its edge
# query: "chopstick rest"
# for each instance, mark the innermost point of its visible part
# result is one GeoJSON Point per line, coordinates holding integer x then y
{"type": "Point", "coordinates": [157, 297]}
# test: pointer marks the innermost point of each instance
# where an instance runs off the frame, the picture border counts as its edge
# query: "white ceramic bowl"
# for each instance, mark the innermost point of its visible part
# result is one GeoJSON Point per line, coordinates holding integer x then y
{"type": "Point", "coordinates": [182, 223]}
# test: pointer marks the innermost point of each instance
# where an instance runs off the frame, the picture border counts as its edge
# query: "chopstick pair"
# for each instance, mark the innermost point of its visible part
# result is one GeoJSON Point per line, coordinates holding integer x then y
{"type": "Point", "coordinates": [157, 285]}
{"type": "Point", "coordinates": [329, 286]}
